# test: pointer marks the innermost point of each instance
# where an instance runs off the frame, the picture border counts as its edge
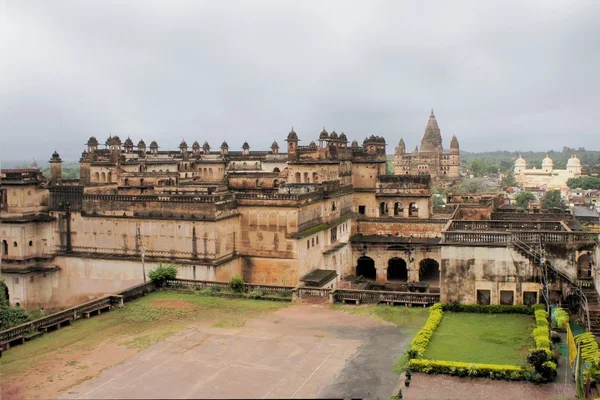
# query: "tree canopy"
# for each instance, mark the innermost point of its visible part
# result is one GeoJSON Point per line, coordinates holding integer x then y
{"type": "Point", "coordinates": [584, 182]}
{"type": "Point", "coordinates": [476, 185]}
{"type": "Point", "coordinates": [553, 199]}
{"type": "Point", "coordinates": [508, 180]}
{"type": "Point", "coordinates": [523, 198]}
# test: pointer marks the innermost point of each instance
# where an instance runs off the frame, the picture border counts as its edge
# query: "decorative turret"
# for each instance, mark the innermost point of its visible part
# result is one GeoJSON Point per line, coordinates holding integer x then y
{"type": "Point", "coordinates": [547, 164]}
{"type": "Point", "coordinates": [245, 148]}
{"type": "Point", "coordinates": [195, 148]}
{"type": "Point", "coordinates": [92, 144]}
{"type": "Point", "coordinates": [292, 139]}
{"type": "Point", "coordinates": [574, 165]}
{"type": "Point", "coordinates": [312, 145]}
{"type": "Point", "coordinates": [128, 145]}
{"type": "Point", "coordinates": [454, 143]}
{"type": "Point", "coordinates": [206, 147]}
{"type": "Point", "coordinates": [343, 138]}
{"type": "Point", "coordinates": [275, 147]}
{"type": "Point", "coordinates": [520, 164]}
{"type": "Point", "coordinates": [224, 149]}
{"type": "Point", "coordinates": [401, 148]}
{"type": "Point", "coordinates": [432, 139]}
{"type": "Point", "coordinates": [333, 136]}
{"type": "Point", "coordinates": [323, 135]}
{"type": "Point", "coordinates": [154, 147]}
{"type": "Point", "coordinates": [416, 148]}
{"type": "Point", "coordinates": [55, 168]}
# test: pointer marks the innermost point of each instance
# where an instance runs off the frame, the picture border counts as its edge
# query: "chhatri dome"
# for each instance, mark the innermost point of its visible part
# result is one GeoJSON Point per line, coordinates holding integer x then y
{"type": "Point", "coordinates": [547, 164]}
{"type": "Point", "coordinates": [574, 162]}
{"type": "Point", "coordinates": [520, 162]}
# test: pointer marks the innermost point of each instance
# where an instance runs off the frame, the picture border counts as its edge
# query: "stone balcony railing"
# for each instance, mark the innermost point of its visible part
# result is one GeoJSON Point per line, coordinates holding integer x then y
{"type": "Point", "coordinates": [506, 225]}
{"type": "Point", "coordinates": [504, 238]}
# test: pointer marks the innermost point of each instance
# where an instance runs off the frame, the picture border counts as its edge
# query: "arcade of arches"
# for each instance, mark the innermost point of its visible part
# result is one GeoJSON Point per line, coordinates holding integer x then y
{"type": "Point", "coordinates": [398, 270]}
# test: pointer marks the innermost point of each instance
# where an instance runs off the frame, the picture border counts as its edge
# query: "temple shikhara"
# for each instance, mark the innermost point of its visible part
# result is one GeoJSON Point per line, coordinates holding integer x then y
{"type": "Point", "coordinates": [430, 159]}
{"type": "Point", "coordinates": [323, 214]}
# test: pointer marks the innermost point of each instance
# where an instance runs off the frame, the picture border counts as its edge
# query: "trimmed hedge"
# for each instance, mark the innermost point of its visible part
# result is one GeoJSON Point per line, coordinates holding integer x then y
{"type": "Point", "coordinates": [488, 309]}
{"type": "Point", "coordinates": [589, 346]}
{"type": "Point", "coordinates": [541, 334]}
{"type": "Point", "coordinates": [561, 317]}
{"type": "Point", "coordinates": [422, 338]}
{"type": "Point", "coordinates": [463, 369]}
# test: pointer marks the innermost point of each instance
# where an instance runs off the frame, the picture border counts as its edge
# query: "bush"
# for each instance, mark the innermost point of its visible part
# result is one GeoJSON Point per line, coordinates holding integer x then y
{"type": "Point", "coordinates": [589, 346]}
{"type": "Point", "coordinates": [422, 338]}
{"type": "Point", "coordinates": [163, 273]}
{"type": "Point", "coordinates": [488, 309]}
{"type": "Point", "coordinates": [255, 294]}
{"type": "Point", "coordinates": [237, 284]}
{"type": "Point", "coordinates": [456, 368]}
{"type": "Point", "coordinates": [541, 334]}
{"type": "Point", "coordinates": [543, 365]}
{"type": "Point", "coordinates": [12, 316]}
{"type": "Point", "coordinates": [561, 317]}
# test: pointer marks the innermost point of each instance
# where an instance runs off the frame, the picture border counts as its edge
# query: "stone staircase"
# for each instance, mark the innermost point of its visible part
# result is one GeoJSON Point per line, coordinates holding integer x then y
{"type": "Point", "coordinates": [593, 308]}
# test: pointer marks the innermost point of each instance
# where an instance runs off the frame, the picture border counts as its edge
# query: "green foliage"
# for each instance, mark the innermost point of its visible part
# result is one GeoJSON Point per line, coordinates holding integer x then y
{"type": "Point", "coordinates": [438, 201]}
{"type": "Point", "coordinates": [508, 179]}
{"type": "Point", "coordinates": [487, 309]}
{"type": "Point", "coordinates": [255, 294]}
{"type": "Point", "coordinates": [584, 182]}
{"type": "Point", "coordinates": [422, 338]}
{"type": "Point", "coordinates": [163, 273]}
{"type": "Point", "coordinates": [463, 369]}
{"type": "Point", "coordinates": [523, 198]}
{"type": "Point", "coordinates": [541, 334]}
{"type": "Point", "coordinates": [3, 299]}
{"type": "Point", "coordinates": [12, 316]}
{"type": "Point", "coordinates": [476, 185]}
{"type": "Point", "coordinates": [561, 317]}
{"type": "Point", "coordinates": [544, 366]}
{"type": "Point", "coordinates": [237, 284]}
{"type": "Point", "coordinates": [553, 199]}
{"type": "Point", "coordinates": [589, 346]}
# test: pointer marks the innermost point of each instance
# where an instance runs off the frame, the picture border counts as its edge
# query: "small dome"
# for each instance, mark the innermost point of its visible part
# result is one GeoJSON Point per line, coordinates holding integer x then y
{"type": "Point", "coordinates": [323, 134]}
{"type": "Point", "coordinates": [55, 155]}
{"type": "Point", "coordinates": [333, 135]}
{"type": "Point", "coordinates": [109, 140]}
{"type": "Point", "coordinates": [292, 136]}
{"type": "Point", "coordinates": [343, 137]}
{"type": "Point", "coordinates": [354, 143]}
{"type": "Point", "coordinates": [206, 146]}
{"type": "Point", "coordinates": [312, 145]}
{"type": "Point", "coordinates": [92, 141]}
{"type": "Point", "coordinates": [128, 142]}
{"type": "Point", "coordinates": [154, 145]}
{"type": "Point", "coordinates": [141, 143]}
{"type": "Point", "coordinates": [183, 145]}
{"type": "Point", "coordinates": [574, 162]}
{"type": "Point", "coordinates": [116, 140]}
{"type": "Point", "coordinates": [274, 144]}
{"type": "Point", "coordinates": [195, 145]}
{"type": "Point", "coordinates": [224, 145]}
{"type": "Point", "coordinates": [245, 146]}
{"type": "Point", "coordinates": [520, 162]}
{"type": "Point", "coordinates": [547, 162]}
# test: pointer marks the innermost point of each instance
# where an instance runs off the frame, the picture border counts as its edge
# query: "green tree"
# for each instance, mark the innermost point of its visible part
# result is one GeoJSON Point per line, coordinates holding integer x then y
{"type": "Point", "coordinates": [478, 168]}
{"type": "Point", "coordinates": [523, 198]}
{"type": "Point", "coordinates": [553, 199]}
{"type": "Point", "coordinates": [584, 182]}
{"type": "Point", "coordinates": [508, 179]}
{"type": "Point", "coordinates": [476, 185]}
{"type": "Point", "coordinates": [438, 201]}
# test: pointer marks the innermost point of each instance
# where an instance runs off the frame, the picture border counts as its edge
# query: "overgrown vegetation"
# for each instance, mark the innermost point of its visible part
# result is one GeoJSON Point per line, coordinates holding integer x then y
{"type": "Point", "coordinates": [237, 284]}
{"type": "Point", "coordinates": [560, 318]}
{"type": "Point", "coordinates": [523, 199]}
{"type": "Point", "coordinates": [163, 273]}
{"type": "Point", "coordinates": [553, 199]}
{"type": "Point", "coordinates": [10, 316]}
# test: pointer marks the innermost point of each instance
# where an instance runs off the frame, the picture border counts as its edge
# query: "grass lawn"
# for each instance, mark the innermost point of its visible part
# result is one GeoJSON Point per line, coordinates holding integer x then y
{"type": "Point", "coordinates": [138, 325]}
{"type": "Point", "coordinates": [482, 338]}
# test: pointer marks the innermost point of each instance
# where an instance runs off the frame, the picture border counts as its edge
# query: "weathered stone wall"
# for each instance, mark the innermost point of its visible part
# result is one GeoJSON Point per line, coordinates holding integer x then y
{"type": "Point", "coordinates": [402, 227]}
{"type": "Point", "coordinates": [269, 270]}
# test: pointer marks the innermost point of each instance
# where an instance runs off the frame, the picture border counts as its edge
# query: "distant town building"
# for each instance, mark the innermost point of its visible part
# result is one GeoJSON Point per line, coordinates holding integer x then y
{"type": "Point", "coordinates": [431, 159]}
{"type": "Point", "coordinates": [546, 177]}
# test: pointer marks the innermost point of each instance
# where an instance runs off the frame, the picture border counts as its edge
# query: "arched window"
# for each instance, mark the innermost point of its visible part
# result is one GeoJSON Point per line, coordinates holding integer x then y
{"type": "Point", "coordinates": [14, 244]}
{"type": "Point", "coordinates": [4, 247]}
{"type": "Point", "coordinates": [210, 172]}
{"type": "Point", "coordinates": [126, 182]}
{"type": "Point", "coordinates": [383, 209]}
{"type": "Point", "coordinates": [97, 176]}
{"type": "Point", "coordinates": [103, 177]}
{"type": "Point", "coordinates": [109, 177]}
{"type": "Point", "coordinates": [276, 170]}
{"type": "Point", "coordinates": [30, 243]}
{"type": "Point", "coordinates": [297, 175]}
{"type": "Point", "coordinates": [306, 179]}
{"type": "Point", "coordinates": [398, 208]}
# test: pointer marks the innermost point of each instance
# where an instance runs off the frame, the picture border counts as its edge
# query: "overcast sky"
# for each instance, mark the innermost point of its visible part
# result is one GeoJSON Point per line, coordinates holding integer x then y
{"type": "Point", "coordinates": [499, 74]}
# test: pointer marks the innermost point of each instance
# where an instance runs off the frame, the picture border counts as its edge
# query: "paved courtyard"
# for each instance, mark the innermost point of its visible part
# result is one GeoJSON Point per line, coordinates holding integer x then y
{"type": "Point", "coordinates": [297, 352]}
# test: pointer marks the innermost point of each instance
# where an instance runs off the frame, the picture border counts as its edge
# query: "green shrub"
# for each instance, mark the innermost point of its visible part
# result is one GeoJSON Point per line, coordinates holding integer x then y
{"type": "Point", "coordinates": [561, 317]}
{"type": "Point", "coordinates": [541, 334]}
{"type": "Point", "coordinates": [215, 289]}
{"type": "Point", "coordinates": [422, 338]}
{"type": "Point", "coordinates": [488, 309]}
{"type": "Point", "coordinates": [163, 273]}
{"type": "Point", "coordinates": [589, 346]}
{"type": "Point", "coordinates": [255, 294]}
{"type": "Point", "coordinates": [12, 316]}
{"type": "Point", "coordinates": [456, 368]}
{"type": "Point", "coordinates": [237, 284]}
{"type": "Point", "coordinates": [543, 365]}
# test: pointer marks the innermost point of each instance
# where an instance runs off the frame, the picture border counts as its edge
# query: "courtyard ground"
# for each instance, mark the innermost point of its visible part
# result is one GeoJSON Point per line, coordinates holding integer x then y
{"type": "Point", "coordinates": [184, 345]}
{"type": "Point", "coordinates": [482, 338]}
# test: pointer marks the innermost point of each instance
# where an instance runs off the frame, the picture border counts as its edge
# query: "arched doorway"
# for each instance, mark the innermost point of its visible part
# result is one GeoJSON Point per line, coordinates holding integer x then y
{"type": "Point", "coordinates": [397, 270]}
{"type": "Point", "coordinates": [584, 269]}
{"type": "Point", "coordinates": [5, 247]}
{"type": "Point", "coordinates": [365, 267]}
{"type": "Point", "coordinates": [429, 271]}
{"type": "Point", "coordinates": [413, 210]}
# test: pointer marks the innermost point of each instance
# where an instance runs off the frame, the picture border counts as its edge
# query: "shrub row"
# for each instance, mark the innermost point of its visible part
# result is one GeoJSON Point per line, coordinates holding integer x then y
{"type": "Point", "coordinates": [421, 339]}
{"type": "Point", "coordinates": [488, 309]}
{"type": "Point", "coordinates": [541, 334]}
{"type": "Point", "coordinates": [463, 369]}
{"type": "Point", "coordinates": [589, 346]}
{"type": "Point", "coordinates": [561, 317]}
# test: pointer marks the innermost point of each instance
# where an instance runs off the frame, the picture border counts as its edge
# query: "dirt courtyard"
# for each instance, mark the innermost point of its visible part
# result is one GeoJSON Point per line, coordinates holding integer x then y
{"type": "Point", "coordinates": [302, 351]}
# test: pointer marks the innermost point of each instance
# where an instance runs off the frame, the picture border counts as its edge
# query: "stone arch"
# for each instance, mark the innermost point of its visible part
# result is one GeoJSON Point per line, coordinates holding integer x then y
{"type": "Point", "coordinates": [398, 209]}
{"type": "Point", "coordinates": [383, 208]}
{"type": "Point", "coordinates": [97, 176]}
{"type": "Point", "coordinates": [365, 267]}
{"type": "Point", "coordinates": [126, 182]}
{"type": "Point", "coordinates": [429, 271]}
{"type": "Point", "coordinates": [397, 269]}
{"type": "Point", "coordinates": [103, 177]}
{"type": "Point", "coordinates": [413, 210]}
{"type": "Point", "coordinates": [297, 175]}
{"type": "Point", "coordinates": [306, 178]}
{"type": "Point", "coordinates": [315, 177]}
{"type": "Point", "coordinates": [109, 177]}
{"type": "Point", "coordinates": [584, 269]}
{"type": "Point", "coordinates": [5, 247]}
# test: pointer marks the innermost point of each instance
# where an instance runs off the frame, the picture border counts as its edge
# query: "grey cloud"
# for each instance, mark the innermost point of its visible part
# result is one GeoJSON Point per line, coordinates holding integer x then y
{"type": "Point", "coordinates": [500, 74]}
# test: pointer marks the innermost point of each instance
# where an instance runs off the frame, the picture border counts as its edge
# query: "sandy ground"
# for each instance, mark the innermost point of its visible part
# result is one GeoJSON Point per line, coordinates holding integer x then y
{"type": "Point", "coordinates": [301, 351]}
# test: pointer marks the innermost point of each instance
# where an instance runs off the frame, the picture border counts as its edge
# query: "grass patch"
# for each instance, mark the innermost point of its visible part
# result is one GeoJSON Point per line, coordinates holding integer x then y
{"type": "Point", "coordinates": [140, 324]}
{"type": "Point", "coordinates": [411, 319]}
{"type": "Point", "coordinates": [482, 338]}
